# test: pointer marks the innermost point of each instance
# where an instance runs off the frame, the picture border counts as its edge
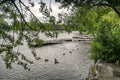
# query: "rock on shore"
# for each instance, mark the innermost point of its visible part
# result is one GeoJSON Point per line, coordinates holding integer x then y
{"type": "Point", "coordinates": [104, 71]}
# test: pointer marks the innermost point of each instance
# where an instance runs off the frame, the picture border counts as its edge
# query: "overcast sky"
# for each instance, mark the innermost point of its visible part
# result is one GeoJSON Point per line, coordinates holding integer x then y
{"type": "Point", "coordinates": [35, 9]}
{"type": "Point", "coordinates": [54, 5]}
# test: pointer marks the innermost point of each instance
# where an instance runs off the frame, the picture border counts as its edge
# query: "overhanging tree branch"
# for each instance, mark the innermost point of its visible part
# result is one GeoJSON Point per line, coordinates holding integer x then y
{"type": "Point", "coordinates": [108, 5]}
{"type": "Point", "coordinates": [42, 26]}
{"type": "Point", "coordinates": [22, 15]}
{"type": "Point", "coordinates": [115, 9]}
{"type": "Point", "coordinates": [1, 2]}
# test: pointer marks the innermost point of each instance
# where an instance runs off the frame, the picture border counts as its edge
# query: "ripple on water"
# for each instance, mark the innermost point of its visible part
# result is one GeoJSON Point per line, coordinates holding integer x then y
{"type": "Point", "coordinates": [73, 66]}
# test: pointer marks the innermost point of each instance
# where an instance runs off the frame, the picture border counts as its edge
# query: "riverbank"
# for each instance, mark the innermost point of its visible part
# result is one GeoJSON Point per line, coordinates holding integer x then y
{"type": "Point", "coordinates": [84, 38]}
{"type": "Point", "coordinates": [104, 71]}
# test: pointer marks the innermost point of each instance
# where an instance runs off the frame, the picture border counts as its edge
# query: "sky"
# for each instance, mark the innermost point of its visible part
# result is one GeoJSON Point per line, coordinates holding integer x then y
{"type": "Point", "coordinates": [54, 6]}
{"type": "Point", "coordinates": [36, 12]}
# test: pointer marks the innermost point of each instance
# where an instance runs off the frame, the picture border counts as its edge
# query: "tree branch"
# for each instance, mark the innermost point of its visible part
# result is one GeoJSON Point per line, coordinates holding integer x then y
{"type": "Point", "coordinates": [4, 1]}
{"type": "Point", "coordinates": [22, 13]}
{"type": "Point", "coordinates": [42, 26]}
{"type": "Point", "coordinates": [113, 7]}
{"type": "Point", "coordinates": [22, 16]}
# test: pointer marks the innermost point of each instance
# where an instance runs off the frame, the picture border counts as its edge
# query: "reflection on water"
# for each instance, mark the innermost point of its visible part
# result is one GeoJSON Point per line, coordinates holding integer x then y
{"type": "Point", "coordinates": [72, 57]}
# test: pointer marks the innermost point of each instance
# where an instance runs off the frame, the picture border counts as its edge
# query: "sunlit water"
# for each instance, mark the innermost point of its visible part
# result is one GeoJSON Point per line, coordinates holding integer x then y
{"type": "Point", "coordinates": [73, 58]}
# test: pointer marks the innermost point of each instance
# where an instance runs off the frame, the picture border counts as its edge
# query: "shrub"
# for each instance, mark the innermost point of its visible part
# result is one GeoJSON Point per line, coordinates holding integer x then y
{"type": "Point", "coordinates": [106, 45]}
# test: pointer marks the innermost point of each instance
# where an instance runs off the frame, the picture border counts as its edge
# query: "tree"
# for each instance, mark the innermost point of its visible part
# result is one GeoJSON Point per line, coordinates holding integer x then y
{"type": "Point", "coordinates": [16, 10]}
{"type": "Point", "coordinates": [3, 24]}
{"type": "Point", "coordinates": [96, 16]}
{"type": "Point", "coordinates": [106, 44]}
{"type": "Point", "coordinates": [85, 20]}
{"type": "Point", "coordinates": [114, 4]}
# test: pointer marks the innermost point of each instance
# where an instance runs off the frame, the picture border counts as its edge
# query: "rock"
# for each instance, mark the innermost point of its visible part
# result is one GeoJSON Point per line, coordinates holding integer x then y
{"type": "Point", "coordinates": [93, 73]}
{"type": "Point", "coordinates": [92, 79]}
{"type": "Point", "coordinates": [105, 71]}
{"type": "Point", "coordinates": [95, 79]}
{"type": "Point", "coordinates": [116, 72]}
{"type": "Point", "coordinates": [108, 69]}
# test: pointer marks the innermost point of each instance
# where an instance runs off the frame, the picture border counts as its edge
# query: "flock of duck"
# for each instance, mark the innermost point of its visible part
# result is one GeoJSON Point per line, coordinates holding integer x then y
{"type": "Point", "coordinates": [55, 59]}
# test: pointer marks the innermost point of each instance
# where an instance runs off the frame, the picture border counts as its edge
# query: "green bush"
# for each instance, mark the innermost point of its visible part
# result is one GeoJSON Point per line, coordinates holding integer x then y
{"type": "Point", "coordinates": [106, 45]}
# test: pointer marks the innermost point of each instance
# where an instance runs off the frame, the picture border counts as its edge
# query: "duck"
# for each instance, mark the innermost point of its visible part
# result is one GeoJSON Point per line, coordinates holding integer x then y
{"type": "Point", "coordinates": [70, 52]}
{"type": "Point", "coordinates": [73, 49]}
{"type": "Point", "coordinates": [56, 61]}
{"type": "Point", "coordinates": [37, 58]}
{"type": "Point", "coordinates": [46, 60]}
{"type": "Point", "coordinates": [63, 53]}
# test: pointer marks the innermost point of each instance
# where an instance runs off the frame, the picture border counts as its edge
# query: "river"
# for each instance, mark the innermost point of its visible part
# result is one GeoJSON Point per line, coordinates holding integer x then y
{"type": "Point", "coordinates": [73, 62]}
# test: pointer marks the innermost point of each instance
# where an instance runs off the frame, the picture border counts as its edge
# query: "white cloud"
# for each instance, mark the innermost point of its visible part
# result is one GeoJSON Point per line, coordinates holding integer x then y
{"type": "Point", "coordinates": [36, 12]}
{"type": "Point", "coordinates": [54, 6]}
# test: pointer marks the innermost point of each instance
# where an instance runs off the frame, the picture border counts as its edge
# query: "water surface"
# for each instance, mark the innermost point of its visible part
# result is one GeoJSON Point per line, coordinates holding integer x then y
{"type": "Point", "coordinates": [73, 58]}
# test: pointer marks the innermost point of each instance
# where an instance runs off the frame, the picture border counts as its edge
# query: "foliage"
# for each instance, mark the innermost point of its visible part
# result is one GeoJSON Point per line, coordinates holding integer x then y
{"type": "Point", "coordinates": [104, 24]}
{"type": "Point", "coordinates": [114, 4]}
{"type": "Point", "coordinates": [16, 10]}
{"type": "Point", "coordinates": [106, 44]}
{"type": "Point", "coordinates": [20, 29]}
{"type": "Point", "coordinates": [94, 71]}
{"type": "Point", "coordinates": [85, 20]}
{"type": "Point", "coordinates": [35, 43]}
{"type": "Point", "coordinates": [3, 24]}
